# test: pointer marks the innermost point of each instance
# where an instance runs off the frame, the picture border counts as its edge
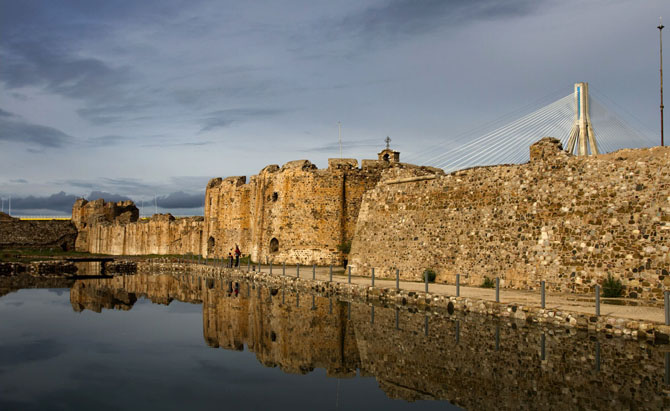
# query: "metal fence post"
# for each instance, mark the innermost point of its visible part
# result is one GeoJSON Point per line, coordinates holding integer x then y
{"type": "Point", "coordinates": [666, 295]}
{"type": "Point", "coordinates": [597, 300]}
{"type": "Point", "coordinates": [425, 275]}
{"type": "Point", "coordinates": [259, 266]}
{"type": "Point", "coordinates": [349, 275]}
{"type": "Point", "coordinates": [331, 273]}
{"type": "Point", "coordinates": [397, 278]}
{"type": "Point", "coordinates": [283, 268]}
{"type": "Point", "coordinates": [497, 289]}
{"type": "Point", "coordinates": [373, 277]}
{"type": "Point", "coordinates": [542, 295]}
{"type": "Point", "coordinates": [297, 270]}
{"type": "Point", "coordinates": [458, 285]}
{"type": "Point", "coordinates": [270, 267]}
{"type": "Point", "coordinates": [397, 318]}
{"type": "Point", "coordinates": [249, 264]}
{"type": "Point", "coordinates": [313, 271]}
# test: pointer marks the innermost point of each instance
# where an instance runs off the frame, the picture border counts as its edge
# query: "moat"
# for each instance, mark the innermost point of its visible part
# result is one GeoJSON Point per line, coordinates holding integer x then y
{"type": "Point", "coordinates": [182, 341]}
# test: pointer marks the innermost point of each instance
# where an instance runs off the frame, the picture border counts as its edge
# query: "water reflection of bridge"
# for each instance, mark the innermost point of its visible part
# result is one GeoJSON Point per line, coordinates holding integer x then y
{"type": "Point", "coordinates": [469, 360]}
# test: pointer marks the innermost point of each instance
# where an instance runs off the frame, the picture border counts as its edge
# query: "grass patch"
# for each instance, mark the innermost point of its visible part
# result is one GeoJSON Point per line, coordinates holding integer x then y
{"type": "Point", "coordinates": [344, 247]}
{"type": "Point", "coordinates": [612, 287]}
{"type": "Point", "coordinates": [430, 274]}
{"type": "Point", "coordinates": [488, 283]}
{"type": "Point", "coordinates": [36, 254]}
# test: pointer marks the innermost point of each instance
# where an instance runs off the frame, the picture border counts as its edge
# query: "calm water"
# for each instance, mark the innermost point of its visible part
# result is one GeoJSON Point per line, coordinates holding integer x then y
{"type": "Point", "coordinates": [177, 342]}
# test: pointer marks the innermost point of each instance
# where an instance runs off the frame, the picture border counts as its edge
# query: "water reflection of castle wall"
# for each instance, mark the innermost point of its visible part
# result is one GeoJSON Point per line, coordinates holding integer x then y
{"type": "Point", "coordinates": [477, 372]}
{"type": "Point", "coordinates": [121, 292]}
{"type": "Point", "coordinates": [475, 364]}
{"type": "Point", "coordinates": [285, 331]}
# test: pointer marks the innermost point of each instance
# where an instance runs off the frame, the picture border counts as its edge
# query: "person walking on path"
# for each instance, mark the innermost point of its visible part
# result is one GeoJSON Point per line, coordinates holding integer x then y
{"type": "Point", "coordinates": [230, 260]}
{"type": "Point", "coordinates": [237, 255]}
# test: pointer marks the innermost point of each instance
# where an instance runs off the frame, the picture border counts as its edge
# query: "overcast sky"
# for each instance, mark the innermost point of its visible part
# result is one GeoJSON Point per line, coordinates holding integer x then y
{"type": "Point", "coordinates": [140, 98]}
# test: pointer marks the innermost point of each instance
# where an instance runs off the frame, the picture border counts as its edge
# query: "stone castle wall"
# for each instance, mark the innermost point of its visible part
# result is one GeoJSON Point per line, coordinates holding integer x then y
{"type": "Point", "coordinates": [115, 228]}
{"type": "Point", "coordinates": [293, 214]}
{"type": "Point", "coordinates": [16, 233]}
{"type": "Point", "coordinates": [568, 220]}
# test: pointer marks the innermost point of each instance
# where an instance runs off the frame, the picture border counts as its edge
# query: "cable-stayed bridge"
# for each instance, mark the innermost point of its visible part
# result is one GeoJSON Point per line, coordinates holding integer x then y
{"type": "Point", "coordinates": [584, 125]}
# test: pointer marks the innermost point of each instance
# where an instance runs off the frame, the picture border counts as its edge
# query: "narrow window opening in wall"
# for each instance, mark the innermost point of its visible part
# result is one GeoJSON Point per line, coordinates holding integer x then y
{"type": "Point", "coordinates": [275, 196]}
{"type": "Point", "coordinates": [386, 157]}
{"type": "Point", "coordinates": [274, 245]}
{"type": "Point", "coordinates": [210, 245]}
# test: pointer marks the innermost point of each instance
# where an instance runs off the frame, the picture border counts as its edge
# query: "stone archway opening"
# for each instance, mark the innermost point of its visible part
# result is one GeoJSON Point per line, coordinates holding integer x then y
{"type": "Point", "coordinates": [274, 246]}
{"type": "Point", "coordinates": [210, 245]}
{"type": "Point", "coordinates": [386, 157]}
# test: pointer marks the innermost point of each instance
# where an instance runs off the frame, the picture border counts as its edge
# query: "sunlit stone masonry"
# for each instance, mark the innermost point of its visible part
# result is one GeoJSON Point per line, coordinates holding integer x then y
{"type": "Point", "coordinates": [568, 220]}
{"type": "Point", "coordinates": [292, 214]}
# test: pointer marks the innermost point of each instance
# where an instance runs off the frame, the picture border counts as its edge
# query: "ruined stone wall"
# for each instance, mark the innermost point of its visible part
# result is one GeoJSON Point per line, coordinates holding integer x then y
{"type": "Point", "coordinates": [161, 234]}
{"type": "Point", "coordinates": [15, 233]}
{"type": "Point", "coordinates": [115, 228]}
{"type": "Point", "coordinates": [303, 211]}
{"type": "Point", "coordinates": [568, 220]}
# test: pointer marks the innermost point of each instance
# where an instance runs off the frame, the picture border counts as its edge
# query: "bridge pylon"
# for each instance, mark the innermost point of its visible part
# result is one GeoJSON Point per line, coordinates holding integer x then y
{"type": "Point", "coordinates": [581, 133]}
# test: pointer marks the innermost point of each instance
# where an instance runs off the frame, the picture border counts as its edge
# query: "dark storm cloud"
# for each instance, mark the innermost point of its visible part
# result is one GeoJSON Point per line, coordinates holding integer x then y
{"type": "Point", "coordinates": [94, 195]}
{"type": "Point", "coordinates": [395, 20]}
{"type": "Point", "coordinates": [4, 113]}
{"type": "Point", "coordinates": [46, 63]}
{"type": "Point", "coordinates": [13, 128]}
{"type": "Point", "coordinates": [224, 118]}
{"type": "Point", "coordinates": [125, 185]}
{"type": "Point", "coordinates": [43, 47]}
{"type": "Point", "coordinates": [61, 202]}
{"type": "Point", "coordinates": [181, 199]}
{"type": "Point", "coordinates": [410, 16]}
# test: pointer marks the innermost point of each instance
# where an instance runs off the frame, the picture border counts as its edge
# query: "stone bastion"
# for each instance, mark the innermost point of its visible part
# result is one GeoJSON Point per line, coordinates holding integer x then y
{"type": "Point", "coordinates": [568, 220]}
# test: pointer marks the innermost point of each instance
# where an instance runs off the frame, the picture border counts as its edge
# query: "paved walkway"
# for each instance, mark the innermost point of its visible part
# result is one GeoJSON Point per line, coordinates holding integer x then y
{"type": "Point", "coordinates": [568, 302]}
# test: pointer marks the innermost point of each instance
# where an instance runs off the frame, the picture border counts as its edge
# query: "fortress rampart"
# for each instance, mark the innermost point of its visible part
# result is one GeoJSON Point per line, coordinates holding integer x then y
{"type": "Point", "coordinates": [568, 220]}
{"type": "Point", "coordinates": [293, 214]}
{"type": "Point", "coordinates": [115, 228]}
